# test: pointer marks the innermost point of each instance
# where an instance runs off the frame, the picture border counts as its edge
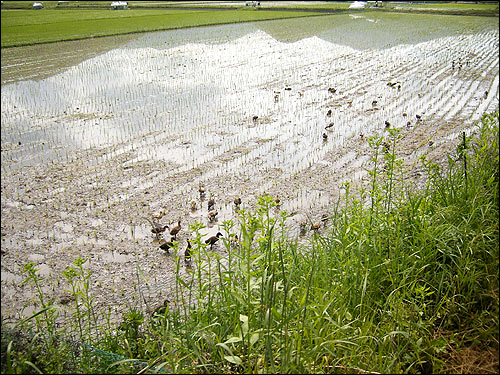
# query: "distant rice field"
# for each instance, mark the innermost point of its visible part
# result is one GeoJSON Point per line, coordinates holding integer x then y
{"type": "Point", "coordinates": [27, 27]}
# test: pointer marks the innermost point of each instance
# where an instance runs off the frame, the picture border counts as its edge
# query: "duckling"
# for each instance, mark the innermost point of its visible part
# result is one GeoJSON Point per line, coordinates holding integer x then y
{"type": "Point", "coordinates": [187, 252]}
{"type": "Point", "coordinates": [324, 218]}
{"type": "Point", "coordinates": [332, 90]}
{"type": "Point", "coordinates": [315, 226]}
{"type": "Point", "coordinates": [386, 146]}
{"type": "Point", "coordinates": [405, 114]}
{"type": "Point", "coordinates": [387, 124]}
{"type": "Point", "coordinates": [329, 113]}
{"type": "Point", "coordinates": [160, 310]}
{"type": "Point", "coordinates": [254, 118]}
{"type": "Point", "coordinates": [158, 215]}
{"type": "Point", "coordinates": [237, 201]}
{"type": "Point", "coordinates": [325, 136]}
{"type": "Point", "coordinates": [175, 230]}
{"type": "Point", "coordinates": [276, 98]}
{"type": "Point", "coordinates": [156, 229]}
{"type": "Point", "coordinates": [212, 214]}
{"type": "Point", "coordinates": [303, 225]}
{"type": "Point", "coordinates": [329, 126]}
{"type": "Point", "coordinates": [235, 242]}
{"type": "Point", "coordinates": [277, 200]}
{"type": "Point", "coordinates": [201, 189]}
{"type": "Point", "coordinates": [167, 245]}
{"type": "Point", "coordinates": [361, 135]}
{"type": "Point", "coordinates": [212, 240]}
{"type": "Point", "coordinates": [211, 204]}
{"type": "Point", "coordinates": [418, 117]}
{"type": "Point", "coordinates": [374, 103]}
{"type": "Point", "coordinates": [193, 205]}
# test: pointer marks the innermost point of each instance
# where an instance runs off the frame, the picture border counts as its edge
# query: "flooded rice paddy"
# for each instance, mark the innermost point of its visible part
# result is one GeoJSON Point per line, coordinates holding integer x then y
{"type": "Point", "coordinates": [93, 144]}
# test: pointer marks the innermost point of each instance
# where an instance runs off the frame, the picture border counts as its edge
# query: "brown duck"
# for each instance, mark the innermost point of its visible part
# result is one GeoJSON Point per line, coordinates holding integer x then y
{"type": "Point", "coordinates": [212, 240]}
{"type": "Point", "coordinates": [187, 252]}
{"type": "Point", "coordinates": [167, 245]}
{"type": "Point", "coordinates": [175, 230]}
{"type": "Point", "coordinates": [212, 214]}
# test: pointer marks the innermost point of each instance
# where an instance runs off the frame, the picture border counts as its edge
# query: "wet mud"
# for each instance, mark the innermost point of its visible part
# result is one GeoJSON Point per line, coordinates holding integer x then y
{"type": "Point", "coordinates": [90, 152]}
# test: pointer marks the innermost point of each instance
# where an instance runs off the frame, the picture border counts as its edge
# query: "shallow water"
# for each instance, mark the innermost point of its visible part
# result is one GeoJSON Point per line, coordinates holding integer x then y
{"type": "Point", "coordinates": [91, 147]}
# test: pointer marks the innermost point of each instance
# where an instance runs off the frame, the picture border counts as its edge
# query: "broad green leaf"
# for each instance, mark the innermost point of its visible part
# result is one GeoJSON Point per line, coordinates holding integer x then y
{"type": "Point", "coordinates": [233, 359]}
{"type": "Point", "coordinates": [254, 338]}
{"type": "Point", "coordinates": [233, 339]}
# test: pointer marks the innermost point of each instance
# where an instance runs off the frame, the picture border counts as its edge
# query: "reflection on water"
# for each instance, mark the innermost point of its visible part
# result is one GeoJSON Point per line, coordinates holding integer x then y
{"type": "Point", "coordinates": [241, 109]}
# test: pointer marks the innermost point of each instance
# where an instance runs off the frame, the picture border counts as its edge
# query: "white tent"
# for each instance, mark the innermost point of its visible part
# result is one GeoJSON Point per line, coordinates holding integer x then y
{"type": "Point", "coordinates": [119, 5]}
{"type": "Point", "coordinates": [358, 5]}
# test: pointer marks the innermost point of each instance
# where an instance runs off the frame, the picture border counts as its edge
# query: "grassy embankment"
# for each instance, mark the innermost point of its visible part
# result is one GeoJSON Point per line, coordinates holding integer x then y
{"type": "Point", "coordinates": [26, 27]}
{"type": "Point", "coordinates": [398, 281]}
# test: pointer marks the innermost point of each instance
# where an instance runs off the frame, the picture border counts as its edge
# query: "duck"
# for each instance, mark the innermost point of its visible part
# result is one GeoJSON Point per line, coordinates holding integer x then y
{"type": "Point", "coordinates": [175, 230]}
{"type": "Point", "coordinates": [315, 226]}
{"type": "Point", "coordinates": [167, 245]}
{"type": "Point", "coordinates": [329, 113]}
{"type": "Point", "coordinates": [332, 90]}
{"type": "Point", "coordinates": [236, 240]}
{"type": "Point", "coordinates": [158, 215]}
{"type": "Point", "coordinates": [212, 214]}
{"type": "Point", "coordinates": [418, 117]}
{"type": "Point", "coordinates": [193, 205]}
{"type": "Point", "coordinates": [254, 118]}
{"type": "Point", "coordinates": [187, 252]}
{"type": "Point", "coordinates": [303, 225]}
{"type": "Point", "coordinates": [160, 310]}
{"type": "Point", "coordinates": [211, 204]}
{"type": "Point", "coordinates": [325, 136]}
{"type": "Point", "coordinates": [374, 103]}
{"type": "Point", "coordinates": [212, 240]}
{"type": "Point", "coordinates": [156, 228]}
{"type": "Point", "coordinates": [277, 200]}
{"type": "Point", "coordinates": [329, 126]}
{"type": "Point", "coordinates": [324, 218]}
{"type": "Point", "coordinates": [201, 189]}
{"type": "Point", "coordinates": [387, 124]}
{"type": "Point", "coordinates": [237, 201]}
{"type": "Point", "coordinates": [405, 114]}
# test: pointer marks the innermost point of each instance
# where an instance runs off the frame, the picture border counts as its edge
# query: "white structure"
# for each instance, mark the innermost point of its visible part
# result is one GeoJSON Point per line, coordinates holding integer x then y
{"type": "Point", "coordinates": [358, 5]}
{"type": "Point", "coordinates": [37, 6]}
{"type": "Point", "coordinates": [119, 5]}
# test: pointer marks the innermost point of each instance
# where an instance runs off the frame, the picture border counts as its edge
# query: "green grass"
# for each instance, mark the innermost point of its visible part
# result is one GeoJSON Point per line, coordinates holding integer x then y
{"type": "Point", "coordinates": [400, 280]}
{"type": "Point", "coordinates": [25, 27]}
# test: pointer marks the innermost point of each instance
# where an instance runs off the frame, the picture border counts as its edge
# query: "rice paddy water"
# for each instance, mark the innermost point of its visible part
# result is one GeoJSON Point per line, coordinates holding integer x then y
{"type": "Point", "coordinates": [89, 148]}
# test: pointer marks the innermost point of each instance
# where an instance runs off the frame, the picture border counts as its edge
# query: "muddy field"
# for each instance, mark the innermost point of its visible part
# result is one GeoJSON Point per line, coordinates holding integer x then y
{"type": "Point", "coordinates": [93, 144]}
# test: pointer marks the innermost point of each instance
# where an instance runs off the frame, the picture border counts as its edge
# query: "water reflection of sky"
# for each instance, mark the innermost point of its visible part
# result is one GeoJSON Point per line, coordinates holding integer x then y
{"type": "Point", "coordinates": [188, 96]}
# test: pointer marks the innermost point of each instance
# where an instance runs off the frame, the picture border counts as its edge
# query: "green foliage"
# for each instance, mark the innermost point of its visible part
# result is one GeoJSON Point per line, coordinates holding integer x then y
{"type": "Point", "coordinates": [399, 278]}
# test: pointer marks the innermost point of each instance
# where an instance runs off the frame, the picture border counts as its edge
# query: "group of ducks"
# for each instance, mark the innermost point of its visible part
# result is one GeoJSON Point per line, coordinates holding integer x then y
{"type": "Point", "coordinates": [158, 229]}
